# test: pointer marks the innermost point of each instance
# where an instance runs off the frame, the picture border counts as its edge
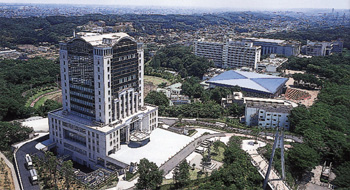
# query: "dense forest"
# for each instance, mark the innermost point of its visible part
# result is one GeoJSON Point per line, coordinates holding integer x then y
{"type": "Point", "coordinates": [182, 60]}
{"type": "Point", "coordinates": [17, 78]}
{"type": "Point", "coordinates": [325, 125]}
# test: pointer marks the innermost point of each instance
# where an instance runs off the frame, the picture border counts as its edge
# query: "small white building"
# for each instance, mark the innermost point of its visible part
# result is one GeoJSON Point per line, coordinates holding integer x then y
{"type": "Point", "coordinates": [174, 89]}
{"type": "Point", "coordinates": [271, 64]}
{"type": "Point", "coordinates": [173, 93]}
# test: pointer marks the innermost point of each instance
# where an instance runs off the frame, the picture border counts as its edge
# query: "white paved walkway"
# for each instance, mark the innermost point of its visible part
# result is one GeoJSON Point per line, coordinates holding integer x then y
{"type": "Point", "coordinates": [263, 164]}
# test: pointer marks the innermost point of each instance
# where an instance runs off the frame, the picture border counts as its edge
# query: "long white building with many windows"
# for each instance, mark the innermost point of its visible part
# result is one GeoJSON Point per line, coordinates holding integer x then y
{"type": "Point", "coordinates": [231, 54]}
{"type": "Point", "coordinates": [102, 96]}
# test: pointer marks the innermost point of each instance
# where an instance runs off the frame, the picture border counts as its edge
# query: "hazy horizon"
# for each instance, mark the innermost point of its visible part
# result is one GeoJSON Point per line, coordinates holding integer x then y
{"type": "Point", "coordinates": [204, 4]}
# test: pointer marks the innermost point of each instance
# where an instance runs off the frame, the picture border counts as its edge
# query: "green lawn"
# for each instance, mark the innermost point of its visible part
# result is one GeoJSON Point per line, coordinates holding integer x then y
{"type": "Point", "coordinates": [39, 93]}
{"type": "Point", "coordinates": [193, 176]}
{"type": "Point", "coordinates": [218, 156]}
{"type": "Point", "coordinates": [156, 80]}
{"type": "Point", "coordinates": [42, 100]}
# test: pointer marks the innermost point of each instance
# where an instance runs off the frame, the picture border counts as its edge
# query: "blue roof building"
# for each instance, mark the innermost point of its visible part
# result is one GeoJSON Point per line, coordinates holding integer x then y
{"type": "Point", "coordinates": [254, 84]}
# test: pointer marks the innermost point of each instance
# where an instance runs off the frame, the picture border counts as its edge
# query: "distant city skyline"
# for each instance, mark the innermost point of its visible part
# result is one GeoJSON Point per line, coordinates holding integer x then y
{"type": "Point", "coordinates": [227, 4]}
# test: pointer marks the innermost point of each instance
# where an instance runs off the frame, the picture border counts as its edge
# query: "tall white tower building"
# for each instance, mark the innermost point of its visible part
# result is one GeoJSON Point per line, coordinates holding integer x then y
{"type": "Point", "coordinates": [102, 96]}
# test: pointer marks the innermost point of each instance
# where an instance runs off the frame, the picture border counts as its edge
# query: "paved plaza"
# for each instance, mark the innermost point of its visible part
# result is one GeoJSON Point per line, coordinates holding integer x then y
{"type": "Point", "coordinates": [37, 123]}
{"type": "Point", "coordinates": [163, 145]}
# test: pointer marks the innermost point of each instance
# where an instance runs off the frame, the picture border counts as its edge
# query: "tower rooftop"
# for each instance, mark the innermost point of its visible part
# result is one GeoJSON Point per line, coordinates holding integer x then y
{"type": "Point", "coordinates": [96, 39]}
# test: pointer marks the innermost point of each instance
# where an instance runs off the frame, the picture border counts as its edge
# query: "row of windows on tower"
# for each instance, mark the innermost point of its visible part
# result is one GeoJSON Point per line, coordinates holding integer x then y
{"type": "Point", "coordinates": [121, 58]}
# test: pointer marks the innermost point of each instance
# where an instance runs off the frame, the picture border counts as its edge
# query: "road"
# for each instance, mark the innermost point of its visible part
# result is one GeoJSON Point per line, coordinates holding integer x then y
{"type": "Point", "coordinates": [182, 154]}
{"type": "Point", "coordinates": [23, 173]}
{"type": "Point", "coordinates": [169, 121]}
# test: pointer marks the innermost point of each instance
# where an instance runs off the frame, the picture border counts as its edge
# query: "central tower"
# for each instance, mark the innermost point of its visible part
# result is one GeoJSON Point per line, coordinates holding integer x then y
{"type": "Point", "coordinates": [102, 76]}
{"type": "Point", "coordinates": [102, 97]}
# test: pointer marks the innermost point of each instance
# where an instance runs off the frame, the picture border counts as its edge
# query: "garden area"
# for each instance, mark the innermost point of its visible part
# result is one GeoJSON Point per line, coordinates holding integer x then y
{"type": "Point", "coordinates": [217, 150]}
{"type": "Point", "coordinates": [38, 96]}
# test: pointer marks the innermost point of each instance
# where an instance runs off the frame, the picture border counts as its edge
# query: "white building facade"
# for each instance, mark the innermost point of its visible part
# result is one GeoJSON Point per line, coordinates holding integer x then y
{"type": "Point", "coordinates": [102, 96]}
{"type": "Point", "coordinates": [210, 50]}
{"type": "Point", "coordinates": [276, 46]}
{"type": "Point", "coordinates": [267, 113]}
{"type": "Point", "coordinates": [231, 54]}
{"type": "Point", "coordinates": [240, 54]}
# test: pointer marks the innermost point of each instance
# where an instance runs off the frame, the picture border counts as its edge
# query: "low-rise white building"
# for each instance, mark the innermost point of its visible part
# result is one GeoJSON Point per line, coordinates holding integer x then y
{"type": "Point", "coordinates": [267, 113]}
{"type": "Point", "coordinates": [174, 89]}
{"type": "Point", "coordinates": [271, 64]}
{"type": "Point", "coordinates": [267, 116]}
{"type": "Point", "coordinates": [173, 93]}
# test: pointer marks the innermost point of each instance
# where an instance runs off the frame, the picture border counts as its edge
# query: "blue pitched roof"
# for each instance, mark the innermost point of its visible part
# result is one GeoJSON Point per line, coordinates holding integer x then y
{"type": "Point", "coordinates": [228, 75]}
{"type": "Point", "coordinates": [271, 84]}
{"type": "Point", "coordinates": [249, 80]}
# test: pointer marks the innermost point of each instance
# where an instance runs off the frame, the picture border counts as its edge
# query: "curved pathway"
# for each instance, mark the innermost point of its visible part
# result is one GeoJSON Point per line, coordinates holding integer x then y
{"type": "Point", "coordinates": [38, 98]}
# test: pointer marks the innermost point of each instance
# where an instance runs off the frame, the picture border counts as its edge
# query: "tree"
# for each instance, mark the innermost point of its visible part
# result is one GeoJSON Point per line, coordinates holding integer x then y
{"type": "Point", "coordinates": [216, 145]}
{"type": "Point", "coordinates": [67, 172]}
{"type": "Point", "coordinates": [182, 60]}
{"type": "Point", "coordinates": [182, 176]}
{"type": "Point", "coordinates": [237, 171]}
{"type": "Point", "coordinates": [48, 106]}
{"type": "Point", "coordinates": [11, 133]}
{"type": "Point", "coordinates": [343, 172]}
{"type": "Point", "coordinates": [302, 158]}
{"type": "Point", "coordinates": [162, 85]}
{"type": "Point", "coordinates": [192, 88]}
{"type": "Point", "coordinates": [297, 115]}
{"type": "Point", "coordinates": [150, 175]}
{"type": "Point", "coordinates": [51, 164]}
{"type": "Point", "coordinates": [16, 79]}
{"type": "Point", "coordinates": [157, 98]}
{"type": "Point", "coordinates": [235, 110]}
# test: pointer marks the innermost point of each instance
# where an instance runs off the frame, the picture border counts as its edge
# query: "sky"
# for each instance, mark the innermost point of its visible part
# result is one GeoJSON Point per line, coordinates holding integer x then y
{"type": "Point", "coordinates": [248, 4]}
